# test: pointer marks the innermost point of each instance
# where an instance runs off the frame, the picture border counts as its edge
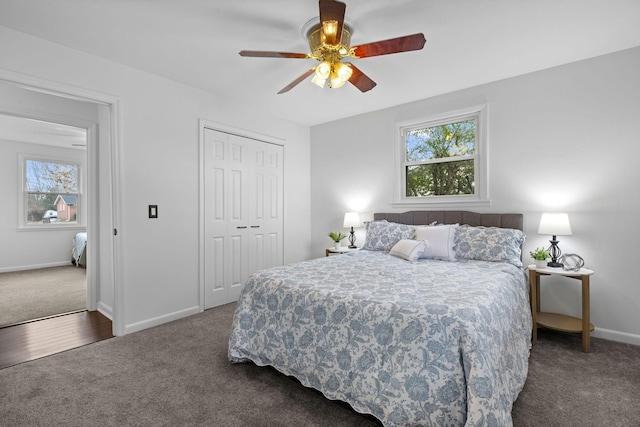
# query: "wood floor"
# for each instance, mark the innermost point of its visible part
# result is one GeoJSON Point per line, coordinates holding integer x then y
{"type": "Point", "coordinates": [44, 337]}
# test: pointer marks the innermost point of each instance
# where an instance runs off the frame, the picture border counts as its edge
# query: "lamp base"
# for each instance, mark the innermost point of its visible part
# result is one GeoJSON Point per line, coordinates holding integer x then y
{"type": "Point", "coordinates": [555, 253]}
{"type": "Point", "coordinates": [352, 239]}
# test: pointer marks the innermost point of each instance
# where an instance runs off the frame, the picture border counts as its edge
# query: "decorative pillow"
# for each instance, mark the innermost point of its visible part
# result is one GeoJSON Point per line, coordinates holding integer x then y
{"type": "Point", "coordinates": [426, 225]}
{"type": "Point", "coordinates": [489, 244]}
{"type": "Point", "coordinates": [382, 235]}
{"type": "Point", "coordinates": [408, 249]}
{"type": "Point", "coordinates": [439, 240]}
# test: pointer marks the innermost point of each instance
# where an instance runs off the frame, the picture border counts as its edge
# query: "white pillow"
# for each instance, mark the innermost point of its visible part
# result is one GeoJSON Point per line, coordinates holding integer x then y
{"type": "Point", "coordinates": [408, 249]}
{"type": "Point", "coordinates": [440, 238]}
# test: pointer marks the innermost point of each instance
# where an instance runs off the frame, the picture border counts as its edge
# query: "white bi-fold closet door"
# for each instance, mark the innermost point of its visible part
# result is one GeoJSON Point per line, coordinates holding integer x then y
{"type": "Point", "coordinates": [243, 212]}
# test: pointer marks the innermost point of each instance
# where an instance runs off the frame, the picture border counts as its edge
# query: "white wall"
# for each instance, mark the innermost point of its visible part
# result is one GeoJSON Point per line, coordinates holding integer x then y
{"type": "Point", "coordinates": [563, 139]}
{"type": "Point", "coordinates": [159, 165]}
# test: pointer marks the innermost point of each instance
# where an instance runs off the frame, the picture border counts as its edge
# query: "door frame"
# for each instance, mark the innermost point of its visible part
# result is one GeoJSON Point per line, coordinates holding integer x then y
{"type": "Point", "coordinates": [112, 105]}
{"type": "Point", "coordinates": [220, 127]}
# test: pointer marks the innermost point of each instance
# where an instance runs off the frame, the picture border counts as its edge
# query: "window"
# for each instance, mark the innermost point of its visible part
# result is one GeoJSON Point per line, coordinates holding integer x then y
{"type": "Point", "coordinates": [441, 159]}
{"type": "Point", "coordinates": [51, 192]}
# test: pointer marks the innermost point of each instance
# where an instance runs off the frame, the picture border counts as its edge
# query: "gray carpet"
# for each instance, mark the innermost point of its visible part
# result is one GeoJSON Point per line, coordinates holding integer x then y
{"type": "Point", "coordinates": [177, 374]}
{"type": "Point", "coordinates": [32, 294]}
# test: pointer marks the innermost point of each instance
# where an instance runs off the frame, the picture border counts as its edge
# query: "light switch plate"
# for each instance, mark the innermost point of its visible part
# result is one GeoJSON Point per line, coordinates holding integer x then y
{"type": "Point", "coordinates": [153, 211]}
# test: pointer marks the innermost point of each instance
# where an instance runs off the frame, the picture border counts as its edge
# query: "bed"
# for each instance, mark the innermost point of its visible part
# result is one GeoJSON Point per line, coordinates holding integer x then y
{"type": "Point", "coordinates": [411, 340]}
{"type": "Point", "coordinates": [79, 250]}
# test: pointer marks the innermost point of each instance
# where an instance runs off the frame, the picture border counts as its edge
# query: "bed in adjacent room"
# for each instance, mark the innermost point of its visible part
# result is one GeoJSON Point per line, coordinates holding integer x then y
{"type": "Point", "coordinates": [427, 325]}
{"type": "Point", "coordinates": [79, 250]}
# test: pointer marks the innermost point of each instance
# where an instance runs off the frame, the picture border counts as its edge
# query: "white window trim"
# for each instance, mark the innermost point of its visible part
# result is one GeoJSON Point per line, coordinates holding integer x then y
{"type": "Point", "coordinates": [22, 202]}
{"type": "Point", "coordinates": [481, 167]}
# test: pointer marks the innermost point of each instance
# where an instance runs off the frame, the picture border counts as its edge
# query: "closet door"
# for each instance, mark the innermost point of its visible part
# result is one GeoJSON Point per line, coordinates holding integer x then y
{"type": "Point", "coordinates": [266, 220]}
{"type": "Point", "coordinates": [243, 212]}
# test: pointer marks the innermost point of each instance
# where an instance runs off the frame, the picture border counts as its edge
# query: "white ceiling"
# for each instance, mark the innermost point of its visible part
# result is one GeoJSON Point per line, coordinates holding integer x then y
{"type": "Point", "coordinates": [20, 129]}
{"type": "Point", "coordinates": [196, 42]}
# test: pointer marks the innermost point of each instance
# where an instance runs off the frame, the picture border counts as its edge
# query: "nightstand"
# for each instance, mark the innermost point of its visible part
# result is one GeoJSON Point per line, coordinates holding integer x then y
{"type": "Point", "coordinates": [342, 250]}
{"type": "Point", "coordinates": [561, 322]}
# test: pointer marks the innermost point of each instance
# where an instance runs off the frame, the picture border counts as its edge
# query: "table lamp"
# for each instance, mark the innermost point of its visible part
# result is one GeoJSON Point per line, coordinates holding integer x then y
{"type": "Point", "coordinates": [555, 224]}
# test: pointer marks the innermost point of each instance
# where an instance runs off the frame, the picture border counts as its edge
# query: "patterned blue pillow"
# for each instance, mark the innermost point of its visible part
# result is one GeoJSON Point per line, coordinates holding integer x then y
{"type": "Point", "coordinates": [382, 235]}
{"type": "Point", "coordinates": [489, 244]}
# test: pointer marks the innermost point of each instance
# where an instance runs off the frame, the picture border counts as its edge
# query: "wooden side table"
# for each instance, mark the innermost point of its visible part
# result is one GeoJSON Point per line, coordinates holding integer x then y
{"type": "Point", "coordinates": [561, 322]}
{"type": "Point", "coordinates": [342, 250]}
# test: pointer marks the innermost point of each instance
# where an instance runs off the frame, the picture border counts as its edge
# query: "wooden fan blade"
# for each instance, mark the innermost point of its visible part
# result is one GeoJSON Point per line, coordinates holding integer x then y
{"type": "Point", "coordinates": [267, 54]}
{"type": "Point", "coordinates": [294, 83]}
{"type": "Point", "coordinates": [385, 47]}
{"type": "Point", "coordinates": [331, 10]}
{"type": "Point", "coordinates": [360, 79]}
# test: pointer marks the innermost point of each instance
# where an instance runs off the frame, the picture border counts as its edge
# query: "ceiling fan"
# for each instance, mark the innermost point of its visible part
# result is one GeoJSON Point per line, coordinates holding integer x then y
{"type": "Point", "coordinates": [330, 42]}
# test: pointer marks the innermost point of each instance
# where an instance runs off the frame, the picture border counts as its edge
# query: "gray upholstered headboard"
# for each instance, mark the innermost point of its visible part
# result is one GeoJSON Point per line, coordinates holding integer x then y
{"type": "Point", "coordinates": [502, 220]}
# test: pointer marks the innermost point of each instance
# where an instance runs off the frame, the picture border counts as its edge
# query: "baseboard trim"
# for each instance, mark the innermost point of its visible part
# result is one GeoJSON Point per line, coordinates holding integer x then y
{"type": "Point", "coordinates": [616, 336]}
{"type": "Point", "coordinates": [105, 310]}
{"type": "Point", "coordinates": [35, 266]}
{"type": "Point", "coordinates": [156, 321]}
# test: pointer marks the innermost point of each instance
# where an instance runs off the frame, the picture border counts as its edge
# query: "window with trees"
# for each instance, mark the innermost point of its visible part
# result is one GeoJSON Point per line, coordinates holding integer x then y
{"type": "Point", "coordinates": [442, 159]}
{"type": "Point", "coordinates": [51, 192]}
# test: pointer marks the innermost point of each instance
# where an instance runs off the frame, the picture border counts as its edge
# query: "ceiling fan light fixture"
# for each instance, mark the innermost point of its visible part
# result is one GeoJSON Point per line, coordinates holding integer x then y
{"type": "Point", "coordinates": [329, 31]}
{"type": "Point", "coordinates": [340, 74]}
{"type": "Point", "coordinates": [343, 71]}
{"type": "Point", "coordinates": [323, 70]}
{"type": "Point", "coordinates": [329, 37]}
{"type": "Point", "coordinates": [318, 81]}
{"type": "Point", "coordinates": [336, 83]}
{"type": "Point", "coordinates": [316, 36]}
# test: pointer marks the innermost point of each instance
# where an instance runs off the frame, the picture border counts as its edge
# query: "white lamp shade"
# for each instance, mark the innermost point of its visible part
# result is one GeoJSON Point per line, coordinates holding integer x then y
{"type": "Point", "coordinates": [555, 224]}
{"type": "Point", "coordinates": [352, 219]}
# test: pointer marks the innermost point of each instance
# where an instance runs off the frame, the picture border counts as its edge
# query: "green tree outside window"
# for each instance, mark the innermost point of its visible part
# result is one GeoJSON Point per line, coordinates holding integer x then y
{"type": "Point", "coordinates": [440, 160]}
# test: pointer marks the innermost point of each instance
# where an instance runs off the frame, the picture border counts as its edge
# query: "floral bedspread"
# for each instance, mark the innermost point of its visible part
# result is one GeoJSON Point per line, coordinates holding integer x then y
{"type": "Point", "coordinates": [412, 343]}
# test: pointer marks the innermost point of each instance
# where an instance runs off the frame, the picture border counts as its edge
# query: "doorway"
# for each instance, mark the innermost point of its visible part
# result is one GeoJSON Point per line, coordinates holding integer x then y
{"type": "Point", "coordinates": [95, 114]}
{"type": "Point", "coordinates": [37, 278]}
